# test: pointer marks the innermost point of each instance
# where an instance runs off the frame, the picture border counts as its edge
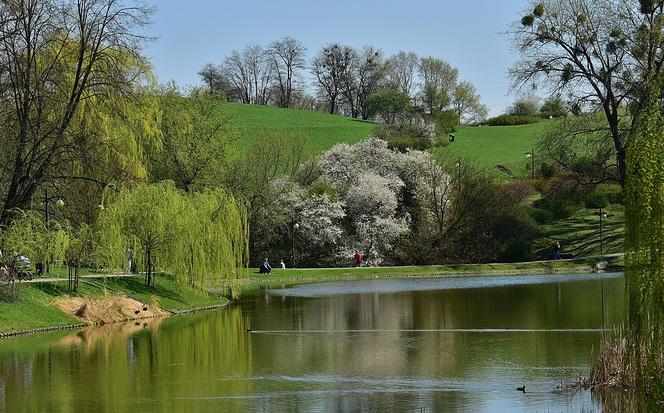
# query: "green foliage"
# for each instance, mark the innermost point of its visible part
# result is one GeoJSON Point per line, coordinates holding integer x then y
{"type": "Point", "coordinates": [195, 143]}
{"type": "Point", "coordinates": [644, 238]}
{"type": "Point", "coordinates": [406, 143]}
{"type": "Point", "coordinates": [554, 106]}
{"type": "Point", "coordinates": [27, 235]}
{"type": "Point", "coordinates": [512, 120]}
{"type": "Point", "coordinates": [446, 122]}
{"type": "Point", "coordinates": [539, 10]}
{"type": "Point", "coordinates": [390, 105]}
{"type": "Point", "coordinates": [525, 106]}
{"type": "Point", "coordinates": [201, 239]}
{"type": "Point", "coordinates": [528, 20]}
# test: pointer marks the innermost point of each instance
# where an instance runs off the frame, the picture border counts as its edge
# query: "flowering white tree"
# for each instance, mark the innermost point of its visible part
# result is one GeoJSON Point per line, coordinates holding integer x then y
{"type": "Point", "coordinates": [318, 220]}
{"type": "Point", "coordinates": [375, 183]}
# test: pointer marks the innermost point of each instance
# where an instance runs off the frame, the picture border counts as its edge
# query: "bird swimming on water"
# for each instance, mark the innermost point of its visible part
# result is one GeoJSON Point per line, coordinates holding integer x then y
{"type": "Point", "coordinates": [523, 389]}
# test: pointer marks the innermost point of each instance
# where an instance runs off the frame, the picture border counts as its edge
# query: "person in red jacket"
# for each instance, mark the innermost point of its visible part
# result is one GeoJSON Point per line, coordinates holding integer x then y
{"type": "Point", "coordinates": [357, 258]}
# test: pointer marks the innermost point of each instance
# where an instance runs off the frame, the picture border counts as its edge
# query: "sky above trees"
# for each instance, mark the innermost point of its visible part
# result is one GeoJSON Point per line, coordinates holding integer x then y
{"type": "Point", "coordinates": [466, 34]}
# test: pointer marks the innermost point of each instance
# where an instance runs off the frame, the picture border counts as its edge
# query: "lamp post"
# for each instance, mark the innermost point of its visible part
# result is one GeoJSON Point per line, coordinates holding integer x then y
{"type": "Point", "coordinates": [47, 219]}
{"type": "Point", "coordinates": [294, 227]}
{"type": "Point", "coordinates": [458, 168]}
{"type": "Point", "coordinates": [531, 155]}
{"type": "Point", "coordinates": [602, 215]}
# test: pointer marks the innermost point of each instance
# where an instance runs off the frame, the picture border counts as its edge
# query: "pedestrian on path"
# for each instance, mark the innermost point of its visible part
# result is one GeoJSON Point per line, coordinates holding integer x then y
{"type": "Point", "coordinates": [556, 251]}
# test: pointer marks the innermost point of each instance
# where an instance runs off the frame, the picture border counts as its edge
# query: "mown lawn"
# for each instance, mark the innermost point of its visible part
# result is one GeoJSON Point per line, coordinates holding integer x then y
{"type": "Point", "coordinates": [35, 307]}
{"type": "Point", "coordinates": [489, 146]}
{"type": "Point", "coordinates": [171, 296]}
{"type": "Point", "coordinates": [252, 274]}
{"type": "Point", "coordinates": [579, 234]}
{"type": "Point", "coordinates": [322, 130]}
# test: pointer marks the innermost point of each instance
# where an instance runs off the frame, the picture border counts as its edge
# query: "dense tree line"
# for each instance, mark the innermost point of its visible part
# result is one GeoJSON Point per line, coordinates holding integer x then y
{"type": "Point", "coordinates": [343, 79]}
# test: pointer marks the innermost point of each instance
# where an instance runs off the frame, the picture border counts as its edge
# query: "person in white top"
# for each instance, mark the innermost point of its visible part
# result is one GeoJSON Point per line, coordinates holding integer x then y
{"type": "Point", "coordinates": [282, 264]}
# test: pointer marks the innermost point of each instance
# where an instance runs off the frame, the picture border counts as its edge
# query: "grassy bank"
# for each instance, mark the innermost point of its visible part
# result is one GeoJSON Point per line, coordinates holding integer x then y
{"type": "Point", "coordinates": [322, 130]}
{"type": "Point", "coordinates": [35, 307]}
{"type": "Point", "coordinates": [579, 234]}
{"type": "Point", "coordinates": [332, 274]}
{"type": "Point", "coordinates": [490, 146]}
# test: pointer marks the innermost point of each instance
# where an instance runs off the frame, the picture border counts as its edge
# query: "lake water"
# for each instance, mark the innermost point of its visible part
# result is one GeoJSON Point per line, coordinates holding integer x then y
{"type": "Point", "coordinates": [412, 345]}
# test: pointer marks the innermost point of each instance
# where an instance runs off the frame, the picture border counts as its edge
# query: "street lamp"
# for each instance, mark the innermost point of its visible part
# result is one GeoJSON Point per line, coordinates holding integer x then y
{"type": "Point", "coordinates": [602, 215]}
{"type": "Point", "coordinates": [531, 155]}
{"type": "Point", "coordinates": [47, 217]}
{"type": "Point", "coordinates": [295, 227]}
{"type": "Point", "coordinates": [458, 167]}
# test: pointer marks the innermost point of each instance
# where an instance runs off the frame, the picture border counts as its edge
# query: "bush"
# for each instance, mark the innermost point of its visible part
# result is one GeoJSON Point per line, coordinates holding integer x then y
{"type": "Point", "coordinates": [559, 206]}
{"type": "Point", "coordinates": [596, 200]}
{"type": "Point", "coordinates": [391, 105]}
{"type": "Point", "coordinates": [446, 122]}
{"type": "Point", "coordinates": [612, 193]}
{"type": "Point", "coordinates": [518, 250]}
{"type": "Point", "coordinates": [404, 143]}
{"type": "Point", "coordinates": [541, 216]}
{"type": "Point", "coordinates": [511, 120]}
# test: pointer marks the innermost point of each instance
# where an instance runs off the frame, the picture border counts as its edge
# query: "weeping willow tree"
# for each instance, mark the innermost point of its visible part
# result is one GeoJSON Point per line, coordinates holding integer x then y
{"type": "Point", "coordinates": [27, 235]}
{"type": "Point", "coordinates": [201, 239]}
{"type": "Point", "coordinates": [644, 242]}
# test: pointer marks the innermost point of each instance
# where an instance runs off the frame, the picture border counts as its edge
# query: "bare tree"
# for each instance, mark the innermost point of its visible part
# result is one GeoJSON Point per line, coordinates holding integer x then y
{"type": "Point", "coordinates": [287, 58]}
{"type": "Point", "coordinates": [361, 78]}
{"type": "Point", "coordinates": [53, 57]}
{"type": "Point", "coordinates": [260, 73]}
{"type": "Point", "coordinates": [215, 79]}
{"type": "Point", "coordinates": [329, 67]}
{"type": "Point", "coordinates": [249, 75]}
{"type": "Point", "coordinates": [402, 72]}
{"type": "Point", "coordinates": [237, 73]}
{"type": "Point", "coordinates": [603, 52]}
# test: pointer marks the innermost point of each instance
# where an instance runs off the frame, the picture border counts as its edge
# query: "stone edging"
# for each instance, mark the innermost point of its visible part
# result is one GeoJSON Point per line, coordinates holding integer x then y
{"type": "Point", "coordinates": [42, 330]}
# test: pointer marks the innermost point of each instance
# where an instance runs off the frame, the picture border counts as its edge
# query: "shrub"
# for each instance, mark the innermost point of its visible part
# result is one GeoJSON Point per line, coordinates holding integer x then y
{"type": "Point", "coordinates": [541, 216]}
{"type": "Point", "coordinates": [391, 105]}
{"type": "Point", "coordinates": [404, 143]}
{"type": "Point", "coordinates": [518, 250]}
{"type": "Point", "coordinates": [596, 200]}
{"type": "Point", "coordinates": [446, 122]}
{"type": "Point", "coordinates": [511, 120]}
{"type": "Point", "coordinates": [559, 206]}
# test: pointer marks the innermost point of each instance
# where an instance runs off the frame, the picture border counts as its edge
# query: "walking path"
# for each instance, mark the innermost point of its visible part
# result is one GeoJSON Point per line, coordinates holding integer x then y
{"type": "Point", "coordinates": [82, 277]}
{"type": "Point", "coordinates": [465, 271]}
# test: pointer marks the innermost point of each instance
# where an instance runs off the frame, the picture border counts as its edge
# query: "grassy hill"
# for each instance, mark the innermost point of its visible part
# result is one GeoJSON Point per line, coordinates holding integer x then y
{"type": "Point", "coordinates": [487, 145]}
{"type": "Point", "coordinates": [498, 145]}
{"type": "Point", "coordinates": [579, 234]}
{"type": "Point", "coordinates": [322, 130]}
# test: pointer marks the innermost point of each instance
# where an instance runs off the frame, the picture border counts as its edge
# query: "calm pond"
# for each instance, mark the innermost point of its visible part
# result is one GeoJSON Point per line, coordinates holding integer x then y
{"type": "Point", "coordinates": [414, 345]}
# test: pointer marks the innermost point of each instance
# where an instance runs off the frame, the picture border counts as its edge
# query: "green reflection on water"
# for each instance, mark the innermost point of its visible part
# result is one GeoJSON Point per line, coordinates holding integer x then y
{"type": "Point", "coordinates": [311, 360]}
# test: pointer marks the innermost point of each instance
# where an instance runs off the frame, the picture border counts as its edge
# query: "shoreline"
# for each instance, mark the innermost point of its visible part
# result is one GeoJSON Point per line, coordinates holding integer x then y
{"type": "Point", "coordinates": [178, 300]}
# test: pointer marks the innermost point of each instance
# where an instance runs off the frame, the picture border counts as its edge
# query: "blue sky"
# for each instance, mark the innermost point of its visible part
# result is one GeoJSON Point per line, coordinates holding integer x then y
{"type": "Point", "coordinates": [468, 34]}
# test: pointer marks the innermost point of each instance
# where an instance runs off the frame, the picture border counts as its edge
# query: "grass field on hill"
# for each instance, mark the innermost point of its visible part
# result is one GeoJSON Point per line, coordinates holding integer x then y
{"type": "Point", "coordinates": [489, 146]}
{"type": "Point", "coordinates": [579, 234]}
{"type": "Point", "coordinates": [322, 130]}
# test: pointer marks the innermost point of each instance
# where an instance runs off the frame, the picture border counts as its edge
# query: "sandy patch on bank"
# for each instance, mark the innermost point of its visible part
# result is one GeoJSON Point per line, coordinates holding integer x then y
{"type": "Point", "coordinates": [109, 309]}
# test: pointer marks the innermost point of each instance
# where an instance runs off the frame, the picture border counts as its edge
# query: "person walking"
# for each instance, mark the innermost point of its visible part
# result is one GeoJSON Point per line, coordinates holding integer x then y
{"type": "Point", "coordinates": [556, 251]}
{"type": "Point", "coordinates": [357, 258]}
{"type": "Point", "coordinates": [282, 264]}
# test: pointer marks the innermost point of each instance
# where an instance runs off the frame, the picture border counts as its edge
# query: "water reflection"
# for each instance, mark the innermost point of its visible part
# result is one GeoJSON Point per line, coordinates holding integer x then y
{"type": "Point", "coordinates": [423, 348]}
